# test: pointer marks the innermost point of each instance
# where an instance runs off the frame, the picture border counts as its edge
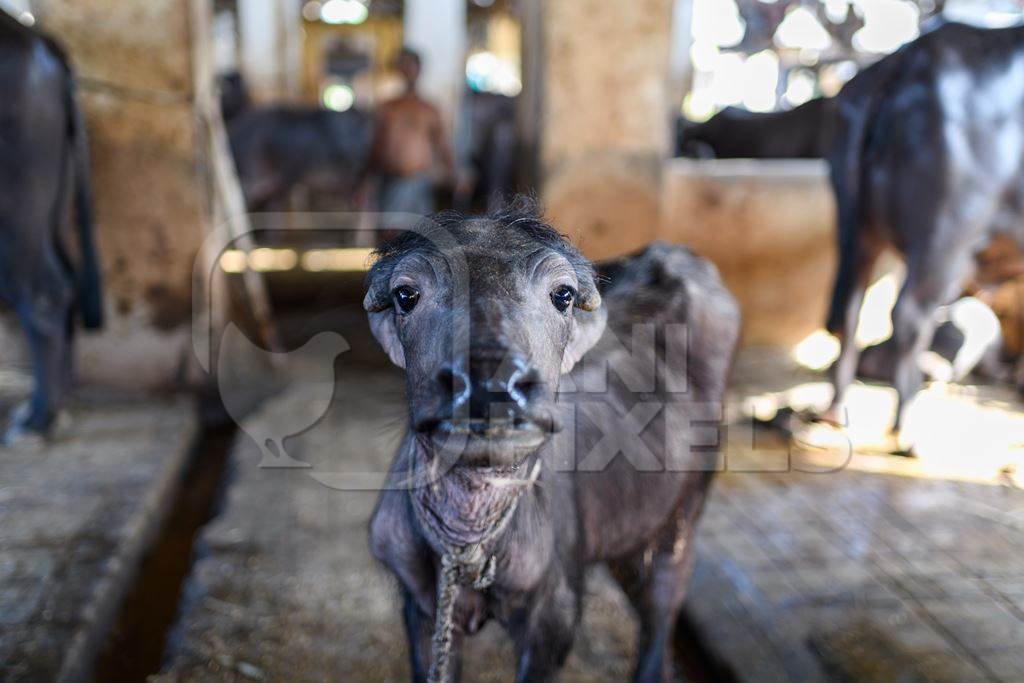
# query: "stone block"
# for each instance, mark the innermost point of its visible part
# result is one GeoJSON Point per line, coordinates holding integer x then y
{"type": "Point", "coordinates": [608, 205]}
{"type": "Point", "coordinates": [768, 226]}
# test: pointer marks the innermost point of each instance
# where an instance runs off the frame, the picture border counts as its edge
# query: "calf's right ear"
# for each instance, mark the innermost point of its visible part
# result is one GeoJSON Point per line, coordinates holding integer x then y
{"type": "Point", "coordinates": [381, 312]}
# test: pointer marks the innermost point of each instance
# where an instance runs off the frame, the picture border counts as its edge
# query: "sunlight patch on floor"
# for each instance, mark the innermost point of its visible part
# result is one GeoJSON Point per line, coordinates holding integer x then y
{"type": "Point", "coordinates": [967, 433]}
{"type": "Point", "coordinates": [820, 349]}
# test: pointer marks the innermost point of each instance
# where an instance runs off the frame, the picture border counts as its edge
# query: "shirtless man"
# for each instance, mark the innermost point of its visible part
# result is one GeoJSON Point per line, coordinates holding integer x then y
{"type": "Point", "coordinates": [408, 139]}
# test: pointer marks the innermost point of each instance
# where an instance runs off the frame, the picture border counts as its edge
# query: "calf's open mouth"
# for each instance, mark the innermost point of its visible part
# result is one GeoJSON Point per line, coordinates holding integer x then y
{"type": "Point", "coordinates": [494, 443]}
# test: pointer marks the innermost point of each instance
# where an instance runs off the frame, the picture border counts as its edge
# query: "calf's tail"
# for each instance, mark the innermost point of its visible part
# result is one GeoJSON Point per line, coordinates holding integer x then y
{"type": "Point", "coordinates": [90, 279]}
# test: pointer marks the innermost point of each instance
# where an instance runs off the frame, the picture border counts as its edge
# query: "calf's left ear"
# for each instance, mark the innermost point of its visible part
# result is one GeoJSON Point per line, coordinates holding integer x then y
{"type": "Point", "coordinates": [381, 312]}
{"type": "Point", "coordinates": [589, 298]}
{"type": "Point", "coordinates": [588, 323]}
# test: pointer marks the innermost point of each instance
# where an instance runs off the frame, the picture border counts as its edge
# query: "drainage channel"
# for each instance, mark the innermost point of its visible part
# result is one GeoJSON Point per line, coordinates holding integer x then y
{"type": "Point", "coordinates": [693, 657]}
{"type": "Point", "coordinates": [136, 645]}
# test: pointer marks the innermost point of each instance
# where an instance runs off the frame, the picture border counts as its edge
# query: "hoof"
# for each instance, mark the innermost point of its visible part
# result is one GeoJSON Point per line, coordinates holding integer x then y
{"type": "Point", "coordinates": [19, 414]}
{"type": "Point", "coordinates": [833, 417]}
{"type": "Point", "coordinates": [63, 425]}
{"type": "Point", "coordinates": [785, 421]}
{"type": "Point", "coordinates": [18, 435]}
{"type": "Point", "coordinates": [900, 446]}
{"type": "Point", "coordinates": [819, 435]}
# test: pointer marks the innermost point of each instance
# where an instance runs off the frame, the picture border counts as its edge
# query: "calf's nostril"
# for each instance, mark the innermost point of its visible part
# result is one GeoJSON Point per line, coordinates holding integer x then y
{"type": "Point", "coordinates": [456, 382]}
{"type": "Point", "coordinates": [523, 384]}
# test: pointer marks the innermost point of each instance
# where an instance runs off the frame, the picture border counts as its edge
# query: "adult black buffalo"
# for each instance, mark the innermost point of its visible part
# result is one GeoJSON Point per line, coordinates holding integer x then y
{"type": "Point", "coordinates": [277, 148]}
{"type": "Point", "coordinates": [43, 166]}
{"type": "Point", "coordinates": [927, 158]}
{"type": "Point", "coordinates": [801, 133]}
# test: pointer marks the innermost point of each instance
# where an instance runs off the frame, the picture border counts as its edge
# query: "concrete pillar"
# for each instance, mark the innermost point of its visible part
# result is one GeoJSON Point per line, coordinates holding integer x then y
{"type": "Point", "coordinates": [437, 30]}
{"type": "Point", "coordinates": [270, 47]}
{"type": "Point", "coordinates": [531, 99]}
{"type": "Point", "coordinates": [604, 129]}
{"type": "Point", "coordinates": [680, 68]}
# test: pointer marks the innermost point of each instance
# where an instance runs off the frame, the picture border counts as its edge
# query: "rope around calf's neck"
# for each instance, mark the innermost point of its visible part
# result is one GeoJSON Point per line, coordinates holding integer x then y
{"type": "Point", "coordinates": [468, 564]}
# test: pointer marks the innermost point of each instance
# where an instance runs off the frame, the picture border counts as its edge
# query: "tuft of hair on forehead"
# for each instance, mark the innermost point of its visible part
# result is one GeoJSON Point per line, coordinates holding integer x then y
{"type": "Point", "coordinates": [521, 224]}
{"type": "Point", "coordinates": [521, 217]}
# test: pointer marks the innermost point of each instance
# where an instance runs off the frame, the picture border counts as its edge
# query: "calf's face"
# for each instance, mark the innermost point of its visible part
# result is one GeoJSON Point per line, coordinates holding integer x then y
{"type": "Point", "coordinates": [484, 316]}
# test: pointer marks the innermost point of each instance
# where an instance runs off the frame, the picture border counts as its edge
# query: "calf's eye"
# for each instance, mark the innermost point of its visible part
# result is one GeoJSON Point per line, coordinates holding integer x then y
{"type": "Point", "coordinates": [562, 297]}
{"type": "Point", "coordinates": [406, 298]}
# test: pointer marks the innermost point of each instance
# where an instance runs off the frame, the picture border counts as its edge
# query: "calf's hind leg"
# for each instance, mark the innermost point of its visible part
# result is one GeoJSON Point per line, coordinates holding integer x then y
{"type": "Point", "coordinates": [936, 272]}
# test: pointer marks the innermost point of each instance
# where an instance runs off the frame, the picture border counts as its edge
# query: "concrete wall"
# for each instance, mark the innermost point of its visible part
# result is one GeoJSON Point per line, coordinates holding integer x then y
{"type": "Point", "coordinates": [605, 97]}
{"type": "Point", "coordinates": [604, 118]}
{"type": "Point", "coordinates": [769, 227]}
{"type": "Point", "coordinates": [136, 63]}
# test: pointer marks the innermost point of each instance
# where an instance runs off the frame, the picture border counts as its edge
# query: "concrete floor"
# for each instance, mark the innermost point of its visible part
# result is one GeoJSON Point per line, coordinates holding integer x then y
{"type": "Point", "coordinates": [862, 576]}
{"type": "Point", "coordinates": [825, 559]}
{"type": "Point", "coordinates": [75, 519]}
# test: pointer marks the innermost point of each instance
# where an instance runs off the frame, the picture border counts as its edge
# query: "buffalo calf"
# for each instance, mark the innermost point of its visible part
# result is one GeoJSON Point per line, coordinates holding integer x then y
{"type": "Point", "coordinates": [559, 417]}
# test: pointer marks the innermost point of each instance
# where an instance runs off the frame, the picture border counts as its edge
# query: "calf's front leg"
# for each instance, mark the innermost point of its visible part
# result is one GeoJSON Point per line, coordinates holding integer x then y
{"type": "Point", "coordinates": [419, 629]}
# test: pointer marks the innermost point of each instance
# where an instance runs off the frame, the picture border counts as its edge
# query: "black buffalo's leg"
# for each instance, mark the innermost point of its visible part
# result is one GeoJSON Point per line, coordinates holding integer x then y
{"type": "Point", "coordinates": [941, 259]}
{"type": "Point", "coordinates": [544, 633]}
{"type": "Point", "coordinates": [930, 283]}
{"type": "Point", "coordinates": [44, 319]}
{"type": "Point", "coordinates": [274, 190]}
{"type": "Point", "coordinates": [913, 323]}
{"type": "Point", "coordinates": [68, 371]}
{"type": "Point", "coordinates": [71, 311]}
{"type": "Point", "coordinates": [844, 370]}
